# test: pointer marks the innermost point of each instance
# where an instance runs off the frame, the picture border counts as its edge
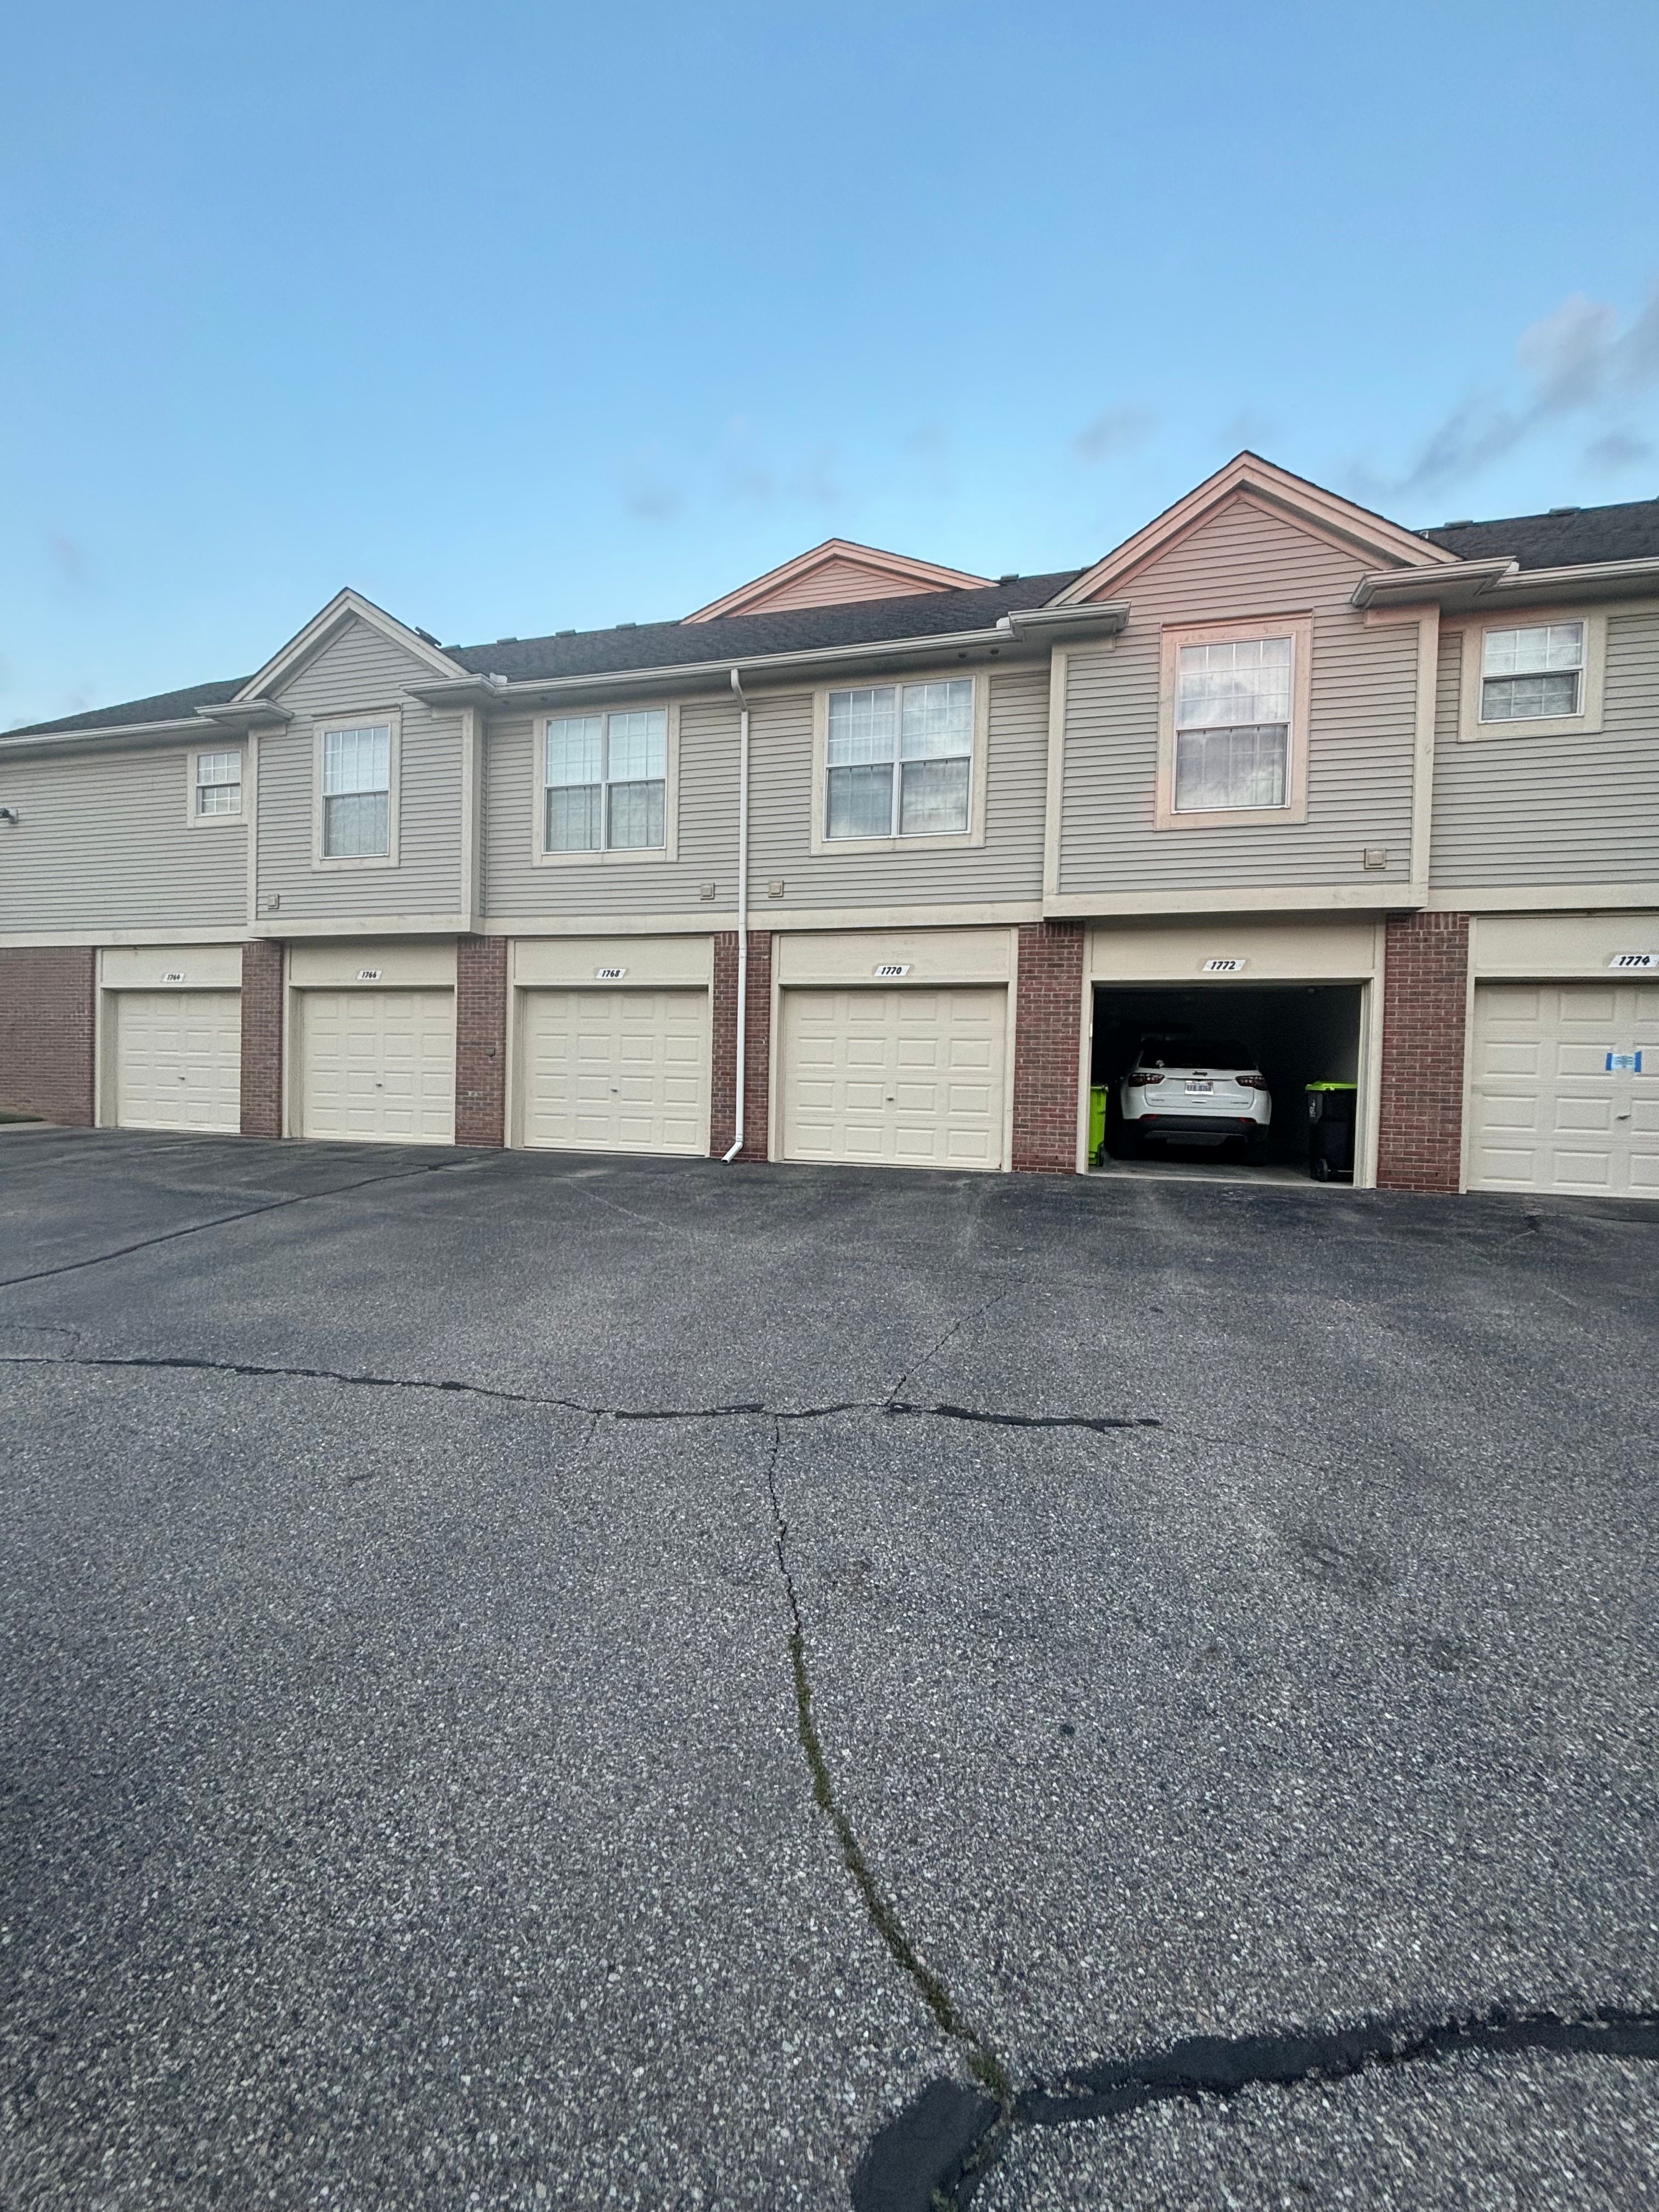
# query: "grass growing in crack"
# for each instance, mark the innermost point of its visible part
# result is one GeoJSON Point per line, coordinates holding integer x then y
{"type": "Point", "coordinates": [987, 2068]}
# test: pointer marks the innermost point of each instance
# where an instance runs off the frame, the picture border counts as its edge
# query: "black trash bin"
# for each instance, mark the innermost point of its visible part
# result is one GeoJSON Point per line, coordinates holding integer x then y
{"type": "Point", "coordinates": [1331, 1107]}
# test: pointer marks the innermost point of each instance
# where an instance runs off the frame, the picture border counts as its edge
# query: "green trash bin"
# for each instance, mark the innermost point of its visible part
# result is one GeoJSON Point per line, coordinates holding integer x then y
{"type": "Point", "coordinates": [1097, 1094]}
{"type": "Point", "coordinates": [1331, 1110]}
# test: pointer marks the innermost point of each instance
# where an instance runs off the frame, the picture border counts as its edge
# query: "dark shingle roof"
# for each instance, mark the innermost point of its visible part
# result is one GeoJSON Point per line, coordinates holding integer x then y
{"type": "Point", "coordinates": [159, 707]}
{"type": "Point", "coordinates": [1571, 538]}
{"type": "Point", "coordinates": [657, 645]}
{"type": "Point", "coordinates": [743, 637]}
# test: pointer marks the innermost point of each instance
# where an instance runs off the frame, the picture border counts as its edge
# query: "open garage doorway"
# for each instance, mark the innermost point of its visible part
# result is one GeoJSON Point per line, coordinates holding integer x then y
{"type": "Point", "coordinates": [1296, 1034]}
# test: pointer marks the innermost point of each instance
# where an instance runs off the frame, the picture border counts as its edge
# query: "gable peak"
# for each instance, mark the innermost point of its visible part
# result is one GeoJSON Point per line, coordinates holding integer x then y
{"type": "Point", "coordinates": [833, 574]}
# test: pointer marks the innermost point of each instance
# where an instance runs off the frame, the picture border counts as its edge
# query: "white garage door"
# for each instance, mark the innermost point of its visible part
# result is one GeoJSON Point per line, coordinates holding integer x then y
{"type": "Point", "coordinates": [1546, 1112]}
{"type": "Point", "coordinates": [614, 1071]}
{"type": "Point", "coordinates": [178, 1059]}
{"type": "Point", "coordinates": [897, 1079]}
{"type": "Point", "coordinates": [376, 1065]}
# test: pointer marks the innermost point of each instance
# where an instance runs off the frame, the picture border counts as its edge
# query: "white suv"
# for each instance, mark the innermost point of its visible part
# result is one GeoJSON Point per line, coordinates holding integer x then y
{"type": "Point", "coordinates": [1195, 1089]}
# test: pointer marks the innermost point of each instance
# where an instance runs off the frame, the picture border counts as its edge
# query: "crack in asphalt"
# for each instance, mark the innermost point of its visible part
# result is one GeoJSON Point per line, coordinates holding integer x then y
{"type": "Point", "coordinates": [933, 2155]}
{"type": "Point", "coordinates": [961, 1322]}
{"type": "Point", "coordinates": [983, 2063]}
{"type": "Point", "coordinates": [737, 1409]}
{"type": "Point", "coordinates": [224, 1220]}
{"type": "Point", "coordinates": [1100, 1423]}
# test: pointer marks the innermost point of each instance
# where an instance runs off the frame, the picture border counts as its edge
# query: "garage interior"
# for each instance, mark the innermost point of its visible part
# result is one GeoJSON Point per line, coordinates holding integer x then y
{"type": "Point", "coordinates": [1300, 1034]}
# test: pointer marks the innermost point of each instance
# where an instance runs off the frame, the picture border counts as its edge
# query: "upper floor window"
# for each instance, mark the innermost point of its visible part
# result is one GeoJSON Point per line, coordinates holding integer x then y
{"type": "Point", "coordinates": [1233, 724]}
{"type": "Point", "coordinates": [606, 782]}
{"type": "Point", "coordinates": [357, 793]}
{"type": "Point", "coordinates": [218, 785]}
{"type": "Point", "coordinates": [899, 760]}
{"type": "Point", "coordinates": [1534, 674]}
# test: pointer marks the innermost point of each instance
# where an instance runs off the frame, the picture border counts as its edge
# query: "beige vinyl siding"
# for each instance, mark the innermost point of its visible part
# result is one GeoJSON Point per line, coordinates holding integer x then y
{"type": "Point", "coordinates": [360, 670]}
{"type": "Point", "coordinates": [1554, 809]}
{"type": "Point", "coordinates": [105, 843]}
{"type": "Point", "coordinates": [514, 884]}
{"type": "Point", "coordinates": [1007, 865]}
{"type": "Point", "coordinates": [1245, 561]}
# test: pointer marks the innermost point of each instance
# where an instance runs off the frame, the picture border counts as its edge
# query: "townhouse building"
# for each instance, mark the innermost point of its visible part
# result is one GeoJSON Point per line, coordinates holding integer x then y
{"type": "Point", "coordinates": [877, 862]}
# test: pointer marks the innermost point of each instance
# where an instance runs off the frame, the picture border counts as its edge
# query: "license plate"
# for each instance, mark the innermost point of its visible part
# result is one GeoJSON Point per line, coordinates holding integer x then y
{"type": "Point", "coordinates": [1200, 1089]}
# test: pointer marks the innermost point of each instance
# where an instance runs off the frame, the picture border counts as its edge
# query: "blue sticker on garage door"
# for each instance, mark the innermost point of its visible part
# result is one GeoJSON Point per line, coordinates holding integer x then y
{"type": "Point", "coordinates": [1624, 1063]}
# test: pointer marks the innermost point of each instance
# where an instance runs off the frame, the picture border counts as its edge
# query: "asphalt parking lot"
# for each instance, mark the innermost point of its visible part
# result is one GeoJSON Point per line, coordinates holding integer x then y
{"type": "Point", "coordinates": [549, 1681]}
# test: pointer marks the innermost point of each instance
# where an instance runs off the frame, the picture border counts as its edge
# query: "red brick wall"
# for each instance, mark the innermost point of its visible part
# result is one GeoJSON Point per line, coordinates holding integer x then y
{"type": "Point", "coordinates": [1049, 1012]}
{"type": "Point", "coordinates": [47, 994]}
{"type": "Point", "coordinates": [262, 1038]}
{"type": "Point", "coordinates": [1425, 983]}
{"type": "Point", "coordinates": [480, 1040]}
{"type": "Point", "coordinates": [723, 1116]}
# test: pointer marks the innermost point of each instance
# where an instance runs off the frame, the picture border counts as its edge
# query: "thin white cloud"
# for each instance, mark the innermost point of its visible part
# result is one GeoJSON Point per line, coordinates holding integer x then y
{"type": "Point", "coordinates": [1576, 362]}
{"type": "Point", "coordinates": [1118, 430]}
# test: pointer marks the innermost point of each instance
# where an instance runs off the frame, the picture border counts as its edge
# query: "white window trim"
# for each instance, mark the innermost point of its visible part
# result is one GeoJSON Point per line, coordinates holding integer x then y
{"type": "Point", "coordinates": [939, 840]}
{"type": "Point", "coordinates": [1586, 723]}
{"type": "Point", "coordinates": [236, 821]}
{"type": "Point", "coordinates": [1299, 629]}
{"type": "Point", "coordinates": [610, 857]}
{"type": "Point", "coordinates": [356, 718]}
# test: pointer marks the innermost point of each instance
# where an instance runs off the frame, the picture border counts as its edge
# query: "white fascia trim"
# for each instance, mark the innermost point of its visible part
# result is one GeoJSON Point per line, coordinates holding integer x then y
{"type": "Point", "coordinates": [1462, 586]}
{"type": "Point", "coordinates": [1300, 898]}
{"type": "Point", "coordinates": [1543, 898]}
{"type": "Point", "coordinates": [124, 735]}
{"type": "Point", "coordinates": [533, 690]}
{"type": "Point", "coordinates": [1489, 583]}
{"type": "Point", "coordinates": [993, 913]}
{"type": "Point", "coordinates": [181, 933]}
{"type": "Point", "coordinates": [344, 607]}
{"type": "Point", "coordinates": [370, 925]}
{"type": "Point", "coordinates": [246, 715]}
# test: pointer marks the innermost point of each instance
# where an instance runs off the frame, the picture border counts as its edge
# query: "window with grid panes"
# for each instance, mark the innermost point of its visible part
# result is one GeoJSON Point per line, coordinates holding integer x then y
{"type": "Point", "coordinates": [899, 760]}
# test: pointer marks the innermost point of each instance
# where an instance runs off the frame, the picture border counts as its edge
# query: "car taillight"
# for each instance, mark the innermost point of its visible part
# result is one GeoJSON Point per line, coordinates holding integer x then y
{"type": "Point", "coordinates": [1251, 1082]}
{"type": "Point", "coordinates": [1140, 1077]}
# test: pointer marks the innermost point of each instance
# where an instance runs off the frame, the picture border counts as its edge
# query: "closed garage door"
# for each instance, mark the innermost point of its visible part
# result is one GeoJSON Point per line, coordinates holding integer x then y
{"type": "Point", "coordinates": [1546, 1112]}
{"type": "Point", "coordinates": [178, 1059]}
{"type": "Point", "coordinates": [897, 1079]}
{"type": "Point", "coordinates": [614, 1071]}
{"type": "Point", "coordinates": [376, 1065]}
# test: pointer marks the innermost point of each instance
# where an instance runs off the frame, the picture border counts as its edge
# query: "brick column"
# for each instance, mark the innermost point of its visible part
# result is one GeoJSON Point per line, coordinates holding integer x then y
{"type": "Point", "coordinates": [1048, 1013]}
{"type": "Point", "coordinates": [262, 1038]}
{"type": "Point", "coordinates": [1424, 984]}
{"type": "Point", "coordinates": [46, 997]}
{"type": "Point", "coordinates": [722, 1120]}
{"type": "Point", "coordinates": [481, 1041]}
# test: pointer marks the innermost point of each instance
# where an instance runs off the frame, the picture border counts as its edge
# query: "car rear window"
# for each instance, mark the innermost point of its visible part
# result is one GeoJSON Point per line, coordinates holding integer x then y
{"type": "Point", "coordinates": [1194, 1052]}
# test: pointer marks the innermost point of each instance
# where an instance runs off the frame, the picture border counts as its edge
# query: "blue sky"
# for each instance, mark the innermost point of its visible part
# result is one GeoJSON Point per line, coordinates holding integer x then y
{"type": "Point", "coordinates": [519, 317]}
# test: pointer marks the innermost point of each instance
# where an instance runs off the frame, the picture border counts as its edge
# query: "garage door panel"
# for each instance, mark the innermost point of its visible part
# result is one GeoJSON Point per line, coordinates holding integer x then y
{"type": "Point", "coordinates": [178, 1059]}
{"type": "Point", "coordinates": [873, 1077]}
{"type": "Point", "coordinates": [614, 1071]}
{"type": "Point", "coordinates": [1539, 1067]}
{"type": "Point", "coordinates": [376, 1066]}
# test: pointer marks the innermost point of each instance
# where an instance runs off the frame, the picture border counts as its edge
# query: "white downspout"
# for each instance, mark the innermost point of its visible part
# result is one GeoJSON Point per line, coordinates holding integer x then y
{"type": "Point", "coordinates": [742, 909]}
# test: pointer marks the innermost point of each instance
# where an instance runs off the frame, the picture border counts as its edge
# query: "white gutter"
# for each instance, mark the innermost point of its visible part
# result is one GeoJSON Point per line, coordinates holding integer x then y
{"type": "Point", "coordinates": [742, 913]}
{"type": "Point", "coordinates": [1488, 583]}
{"type": "Point", "coordinates": [1032, 626]}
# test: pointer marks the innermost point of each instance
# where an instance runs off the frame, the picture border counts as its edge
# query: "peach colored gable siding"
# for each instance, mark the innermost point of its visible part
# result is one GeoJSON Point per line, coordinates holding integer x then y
{"type": "Point", "coordinates": [1243, 560]}
{"type": "Point", "coordinates": [835, 583]}
{"type": "Point", "coordinates": [1554, 809]}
